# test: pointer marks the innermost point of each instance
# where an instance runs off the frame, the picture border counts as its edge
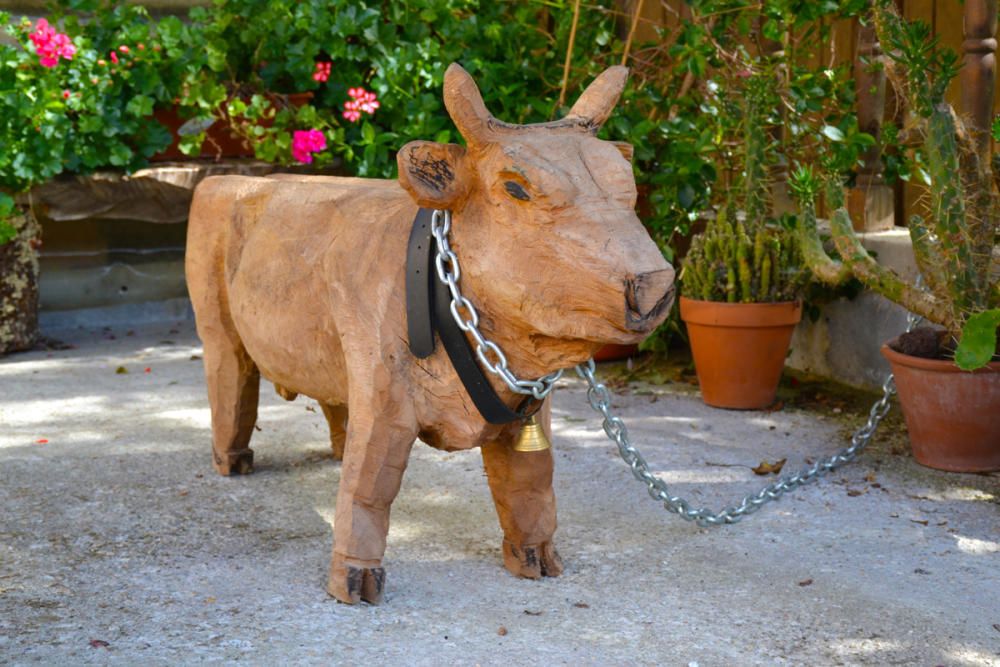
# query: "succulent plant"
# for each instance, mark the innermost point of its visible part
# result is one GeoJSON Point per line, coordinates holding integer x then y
{"type": "Point", "coordinates": [737, 262]}
{"type": "Point", "coordinates": [747, 258]}
{"type": "Point", "coordinates": [954, 249]}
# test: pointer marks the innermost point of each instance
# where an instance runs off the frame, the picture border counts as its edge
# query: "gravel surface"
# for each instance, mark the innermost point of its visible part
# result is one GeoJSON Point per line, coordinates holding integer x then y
{"type": "Point", "coordinates": [119, 544]}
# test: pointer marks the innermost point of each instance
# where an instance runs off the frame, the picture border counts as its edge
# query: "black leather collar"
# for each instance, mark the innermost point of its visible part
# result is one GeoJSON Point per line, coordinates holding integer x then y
{"type": "Point", "coordinates": [428, 310]}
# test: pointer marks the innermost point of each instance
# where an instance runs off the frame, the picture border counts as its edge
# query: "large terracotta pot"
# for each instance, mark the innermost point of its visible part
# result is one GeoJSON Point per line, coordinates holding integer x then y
{"type": "Point", "coordinates": [739, 349]}
{"type": "Point", "coordinates": [953, 416]}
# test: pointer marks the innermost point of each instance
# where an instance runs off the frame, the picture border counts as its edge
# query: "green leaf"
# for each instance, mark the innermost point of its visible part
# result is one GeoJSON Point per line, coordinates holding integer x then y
{"type": "Point", "coordinates": [368, 133]}
{"type": "Point", "coordinates": [140, 105]}
{"type": "Point", "coordinates": [120, 155]}
{"type": "Point", "coordinates": [237, 107]}
{"type": "Point", "coordinates": [7, 232]}
{"type": "Point", "coordinates": [6, 205]}
{"type": "Point", "coordinates": [979, 340]}
{"type": "Point", "coordinates": [833, 133]}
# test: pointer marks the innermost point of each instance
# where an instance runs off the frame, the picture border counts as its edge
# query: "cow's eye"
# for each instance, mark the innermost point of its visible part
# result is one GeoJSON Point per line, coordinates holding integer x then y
{"type": "Point", "coordinates": [515, 190]}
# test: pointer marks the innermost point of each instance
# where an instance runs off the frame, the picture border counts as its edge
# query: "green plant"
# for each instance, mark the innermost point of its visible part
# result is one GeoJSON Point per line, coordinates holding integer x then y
{"type": "Point", "coordinates": [954, 250]}
{"type": "Point", "coordinates": [87, 108]}
{"type": "Point", "coordinates": [753, 259]}
{"type": "Point", "coordinates": [398, 51]}
{"type": "Point", "coordinates": [89, 111]}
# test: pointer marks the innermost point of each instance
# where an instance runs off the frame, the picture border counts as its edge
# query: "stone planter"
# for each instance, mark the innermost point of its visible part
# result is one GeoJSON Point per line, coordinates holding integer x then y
{"type": "Point", "coordinates": [19, 286]}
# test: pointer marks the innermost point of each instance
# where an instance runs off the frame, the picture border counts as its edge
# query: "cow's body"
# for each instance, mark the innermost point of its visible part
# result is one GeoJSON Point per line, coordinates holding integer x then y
{"type": "Point", "coordinates": [302, 280]}
{"type": "Point", "coordinates": [299, 290]}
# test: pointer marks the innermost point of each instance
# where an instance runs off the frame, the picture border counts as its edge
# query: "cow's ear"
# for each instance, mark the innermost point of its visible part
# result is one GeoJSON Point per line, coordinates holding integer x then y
{"type": "Point", "coordinates": [625, 149]}
{"type": "Point", "coordinates": [432, 173]}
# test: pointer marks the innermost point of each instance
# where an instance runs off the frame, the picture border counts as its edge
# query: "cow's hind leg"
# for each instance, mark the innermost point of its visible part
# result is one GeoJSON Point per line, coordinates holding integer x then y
{"type": "Point", "coordinates": [336, 418]}
{"type": "Point", "coordinates": [521, 483]}
{"type": "Point", "coordinates": [233, 384]}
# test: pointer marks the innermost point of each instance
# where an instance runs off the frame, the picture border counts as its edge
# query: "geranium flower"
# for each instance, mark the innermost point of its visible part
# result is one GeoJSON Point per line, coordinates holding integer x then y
{"type": "Point", "coordinates": [305, 143]}
{"type": "Point", "coordinates": [51, 45]}
{"type": "Point", "coordinates": [322, 72]}
{"type": "Point", "coordinates": [361, 101]}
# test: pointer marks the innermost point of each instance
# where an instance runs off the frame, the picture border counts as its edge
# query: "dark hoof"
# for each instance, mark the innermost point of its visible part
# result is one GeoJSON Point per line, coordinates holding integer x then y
{"type": "Point", "coordinates": [239, 462]}
{"type": "Point", "coordinates": [532, 561]}
{"type": "Point", "coordinates": [351, 585]}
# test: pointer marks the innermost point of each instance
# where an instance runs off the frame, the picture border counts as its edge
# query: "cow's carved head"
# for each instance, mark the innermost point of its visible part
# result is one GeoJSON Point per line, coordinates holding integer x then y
{"type": "Point", "coordinates": [544, 223]}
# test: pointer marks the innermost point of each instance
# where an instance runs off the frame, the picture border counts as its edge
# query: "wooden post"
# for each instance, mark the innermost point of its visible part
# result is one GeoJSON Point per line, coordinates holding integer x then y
{"type": "Point", "coordinates": [979, 71]}
{"type": "Point", "coordinates": [870, 201]}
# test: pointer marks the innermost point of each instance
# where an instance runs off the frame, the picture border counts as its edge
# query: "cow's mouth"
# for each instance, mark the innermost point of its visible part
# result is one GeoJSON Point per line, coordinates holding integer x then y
{"type": "Point", "coordinates": [639, 322]}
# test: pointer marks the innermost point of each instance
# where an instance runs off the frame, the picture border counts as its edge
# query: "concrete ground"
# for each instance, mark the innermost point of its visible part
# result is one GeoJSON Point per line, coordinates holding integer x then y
{"type": "Point", "coordinates": [119, 545]}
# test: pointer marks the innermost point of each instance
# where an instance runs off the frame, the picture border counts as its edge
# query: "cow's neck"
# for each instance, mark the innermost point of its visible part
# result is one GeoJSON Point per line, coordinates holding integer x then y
{"type": "Point", "coordinates": [529, 355]}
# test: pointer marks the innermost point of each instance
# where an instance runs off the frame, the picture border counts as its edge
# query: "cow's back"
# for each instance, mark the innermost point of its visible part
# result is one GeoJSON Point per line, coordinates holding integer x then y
{"type": "Point", "coordinates": [292, 266]}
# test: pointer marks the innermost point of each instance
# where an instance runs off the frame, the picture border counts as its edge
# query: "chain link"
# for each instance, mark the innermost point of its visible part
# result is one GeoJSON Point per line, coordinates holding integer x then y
{"type": "Point", "coordinates": [600, 400]}
{"type": "Point", "coordinates": [489, 353]}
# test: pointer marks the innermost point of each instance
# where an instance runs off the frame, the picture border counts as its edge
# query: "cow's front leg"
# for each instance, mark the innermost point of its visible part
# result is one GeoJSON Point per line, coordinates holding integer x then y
{"type": "Point", "coordinates": [521, 483]}
{"type": "Point", "coordinates": [375, 457]}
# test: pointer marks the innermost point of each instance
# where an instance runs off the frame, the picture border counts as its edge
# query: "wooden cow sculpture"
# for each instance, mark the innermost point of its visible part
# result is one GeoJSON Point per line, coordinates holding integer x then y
{"type": "Point", "coordinates": [301, 280]}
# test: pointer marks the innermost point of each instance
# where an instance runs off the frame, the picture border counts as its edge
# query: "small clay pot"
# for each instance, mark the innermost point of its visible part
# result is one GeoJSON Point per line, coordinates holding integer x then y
{"type": "Point", "coordinates": [739, 349]}
{"type": "Point", "coordinates": [953, 416]}
{"type": "Point", "coordinates": [615, 352]}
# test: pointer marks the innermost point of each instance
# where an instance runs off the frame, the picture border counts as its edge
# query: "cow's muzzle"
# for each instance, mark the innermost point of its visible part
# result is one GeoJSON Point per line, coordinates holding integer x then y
{"type": "Point", "coordinates": [648, 297]}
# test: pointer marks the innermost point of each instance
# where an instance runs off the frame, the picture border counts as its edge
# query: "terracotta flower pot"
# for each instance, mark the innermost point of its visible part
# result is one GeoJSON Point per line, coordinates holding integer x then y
{"type": "Point", "coordinates": [615, 352]}
{"type": "Point", "coordinates": [221, 141]}
{"type": "Point", "coordinates": [953, 416]}
{"type": "Point", "coordinates": [739, 349]}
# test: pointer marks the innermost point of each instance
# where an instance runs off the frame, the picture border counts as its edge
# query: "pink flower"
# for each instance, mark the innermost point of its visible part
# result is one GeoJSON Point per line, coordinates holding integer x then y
{"type": "Point", "coordinates": [66, 94]}
{"type": "Point", "coordinates": [361, 101]}
{"type": "Point", "coordinates": [114, 57]}
{"type": "Point", "coordinates": [51, 45]}
{"type": "Point", "coordinates": [305, 143]}
{"type": "Point", "coordinates": [322, 72]}
{"type": "Point", "coordinates": [123, 48]}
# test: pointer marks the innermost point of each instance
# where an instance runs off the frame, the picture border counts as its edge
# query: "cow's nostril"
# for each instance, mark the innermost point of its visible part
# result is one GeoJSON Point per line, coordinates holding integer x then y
{"type": "Point", "coordinates": [647, 295]}
{"type": "Point", "coordinates": [646, 290]}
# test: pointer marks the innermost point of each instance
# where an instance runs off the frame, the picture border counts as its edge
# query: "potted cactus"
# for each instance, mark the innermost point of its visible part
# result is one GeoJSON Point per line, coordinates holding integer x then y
{"type": "Point", "coordinates": [740, 302]}
{"type": "Point", "coordinates": [741, 280]}
{"type": "Point", "coordinates": [948, 376]}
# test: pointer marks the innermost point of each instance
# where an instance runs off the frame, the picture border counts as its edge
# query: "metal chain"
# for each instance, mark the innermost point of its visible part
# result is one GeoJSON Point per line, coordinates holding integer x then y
{"type": "Point", "coordinates": [449, 273]}
{"type": "Point", "coordinates": [600, 400]}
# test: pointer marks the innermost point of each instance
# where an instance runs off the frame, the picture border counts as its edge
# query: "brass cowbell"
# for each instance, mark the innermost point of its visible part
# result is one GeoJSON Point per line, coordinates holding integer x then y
{"type": "Point", "coordinates": [532, 437]}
